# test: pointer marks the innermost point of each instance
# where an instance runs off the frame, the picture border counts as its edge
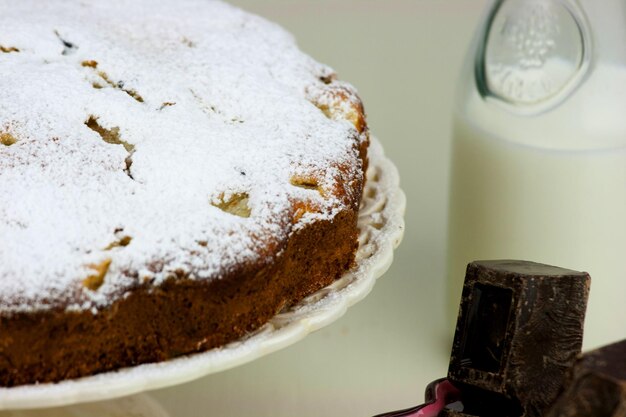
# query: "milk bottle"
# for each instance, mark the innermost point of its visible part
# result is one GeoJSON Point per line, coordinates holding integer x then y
{"type": "Point", "coordinates": [539, 149]}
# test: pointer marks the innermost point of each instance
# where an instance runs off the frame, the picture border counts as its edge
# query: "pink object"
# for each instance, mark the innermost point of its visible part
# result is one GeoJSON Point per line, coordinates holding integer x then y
{"type": "Point", "coordinates": [444, 393]}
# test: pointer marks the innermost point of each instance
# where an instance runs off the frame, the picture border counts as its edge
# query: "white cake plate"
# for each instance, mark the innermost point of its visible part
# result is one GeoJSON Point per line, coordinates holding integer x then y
{"type": "Point", "coordinates": [381, 225]}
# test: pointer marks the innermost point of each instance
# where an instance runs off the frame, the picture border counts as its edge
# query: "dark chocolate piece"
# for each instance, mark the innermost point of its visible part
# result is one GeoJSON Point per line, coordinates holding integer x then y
{"type": "Point", "coordinates": [519, 329]}
{"type": "Point", "coordinates": [596, 386]}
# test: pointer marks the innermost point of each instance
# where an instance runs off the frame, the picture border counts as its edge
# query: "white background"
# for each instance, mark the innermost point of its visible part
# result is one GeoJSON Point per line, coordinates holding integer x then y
{"type": "Point", "coordinates": [404, 57]}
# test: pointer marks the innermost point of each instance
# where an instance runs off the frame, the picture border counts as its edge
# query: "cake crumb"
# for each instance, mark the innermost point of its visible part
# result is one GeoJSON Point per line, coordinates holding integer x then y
{"type": "Point", "coordinates": [95, 281]}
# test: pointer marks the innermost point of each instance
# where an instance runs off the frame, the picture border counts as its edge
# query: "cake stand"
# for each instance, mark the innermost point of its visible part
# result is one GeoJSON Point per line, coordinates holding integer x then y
{"type": "Point", "coordinates": [381, 226]}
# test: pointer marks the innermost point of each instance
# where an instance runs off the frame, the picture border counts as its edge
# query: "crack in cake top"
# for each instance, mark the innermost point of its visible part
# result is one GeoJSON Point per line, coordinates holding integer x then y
{"type": "Point", "coordinates": [144, 139]}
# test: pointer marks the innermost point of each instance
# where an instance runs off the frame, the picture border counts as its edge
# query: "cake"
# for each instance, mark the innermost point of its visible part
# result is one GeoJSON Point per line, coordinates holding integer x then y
{"type": "Point", "coordinates": [172, 175]}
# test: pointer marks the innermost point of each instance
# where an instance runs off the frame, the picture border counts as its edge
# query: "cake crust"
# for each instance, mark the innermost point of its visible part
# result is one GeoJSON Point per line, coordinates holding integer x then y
{"type": "Point", "coordinates": [178, 317]}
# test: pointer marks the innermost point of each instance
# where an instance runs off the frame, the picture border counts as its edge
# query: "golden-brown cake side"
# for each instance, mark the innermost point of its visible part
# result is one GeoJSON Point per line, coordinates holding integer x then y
{"type": "Point", "coordinates": [179, 317]}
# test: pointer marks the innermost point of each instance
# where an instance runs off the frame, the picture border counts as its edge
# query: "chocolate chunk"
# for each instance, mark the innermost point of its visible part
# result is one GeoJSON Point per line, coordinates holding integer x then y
{"type": "Point", "coordinates": [596, 385]}
{"type": "Point", "coordinates": [519, 329]}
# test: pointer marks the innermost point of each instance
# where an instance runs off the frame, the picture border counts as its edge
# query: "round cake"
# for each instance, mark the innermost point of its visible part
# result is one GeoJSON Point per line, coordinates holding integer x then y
{"type": "Point", "coordinates": [172, 175]}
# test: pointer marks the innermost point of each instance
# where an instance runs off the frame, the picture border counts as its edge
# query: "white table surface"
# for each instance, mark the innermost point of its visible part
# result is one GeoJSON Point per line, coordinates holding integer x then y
{"type": "Point", "coordinates": [404, 57]}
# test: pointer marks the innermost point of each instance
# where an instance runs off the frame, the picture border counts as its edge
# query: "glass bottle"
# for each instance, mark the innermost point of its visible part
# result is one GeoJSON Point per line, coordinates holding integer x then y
{"type": "Point", "coordinates": [539, 149]}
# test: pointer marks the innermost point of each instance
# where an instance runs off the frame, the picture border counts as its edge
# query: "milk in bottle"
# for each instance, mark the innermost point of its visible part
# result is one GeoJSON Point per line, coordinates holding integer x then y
{"type": "Point", "coordinates": [539, 149]}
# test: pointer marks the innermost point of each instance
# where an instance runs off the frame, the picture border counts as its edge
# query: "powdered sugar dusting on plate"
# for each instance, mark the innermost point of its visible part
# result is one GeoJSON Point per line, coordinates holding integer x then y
{"type": "Point", "coordinates": [129, 131]}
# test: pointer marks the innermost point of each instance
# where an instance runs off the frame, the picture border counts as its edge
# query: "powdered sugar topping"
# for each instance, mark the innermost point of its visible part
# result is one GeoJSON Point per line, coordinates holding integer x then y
{"type": "Point", "coordinates": [140, 139]}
